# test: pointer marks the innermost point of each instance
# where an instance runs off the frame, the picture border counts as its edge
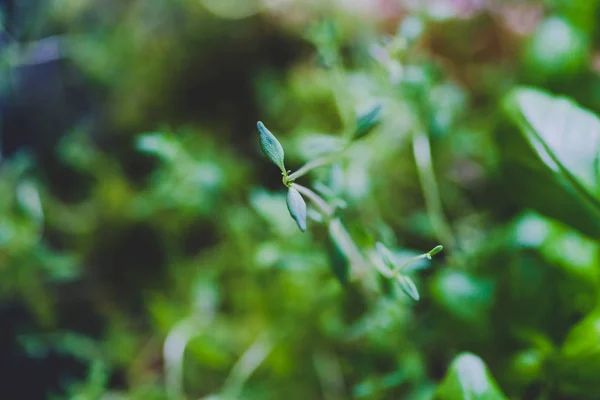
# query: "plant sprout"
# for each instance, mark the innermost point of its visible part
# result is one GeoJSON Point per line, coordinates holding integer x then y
{"type": "Point", "coordinates": [386, 264]}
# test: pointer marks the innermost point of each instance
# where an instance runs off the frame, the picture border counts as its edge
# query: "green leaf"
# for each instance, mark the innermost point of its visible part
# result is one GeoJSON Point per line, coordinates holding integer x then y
{"type": "Point", "coordinates": [297, 208]}
{"type": "Point", "coordinates": [565, 136]}
{"type": "Point", "coordinates": [579, 362]}
{"type": "Point", "coordinates": [435, 250]}
{"type": "Point", "coordinates": [325, 36]}
{"type": "Point", "coordinates": [365, 123]}
{"type": "Point", "coordinates": [29, 199]}
{"type": "Point", "coordinates": [468, 378]}
{"type": "Point", "coordinates": [576, 254]}
{"type": "Point", "coordinates": [462, 295]}
{"type": "Point", "coordinates": [555, 157]}
{"type": "Point", "coordinates": [557, 48]}
{"type": "Point", "coordinates": [526, 366]}
{"type": "Point", "coordinates": [271, 146]}
{"type": "Point", "coordinates": [408, 286]}
{"type": "Point", "coordinates": [386, 255]}
{"type": "Point", "coordinates": [159, 144]}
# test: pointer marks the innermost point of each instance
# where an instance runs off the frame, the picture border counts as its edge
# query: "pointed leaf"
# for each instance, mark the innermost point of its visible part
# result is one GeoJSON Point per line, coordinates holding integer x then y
{"type": "Point", "coordinates": [297, 208]}
{"type": "Point", "coordinates": [408, 286]}
{"type": "Point", "coordinates": [271, 146]}
{"type": "Point", "coordinates": [579, 363]}
{"type": "Point", "coordinates": [386, 255]}
{"type": "Point", "coordinates": [366, 122]}
{"type": "Point", "coordinates": [468, 378]}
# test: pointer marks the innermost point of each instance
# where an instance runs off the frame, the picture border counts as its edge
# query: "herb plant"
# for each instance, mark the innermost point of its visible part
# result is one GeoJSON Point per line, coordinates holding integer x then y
{"type": "Point", "coordinates": [386, 262]}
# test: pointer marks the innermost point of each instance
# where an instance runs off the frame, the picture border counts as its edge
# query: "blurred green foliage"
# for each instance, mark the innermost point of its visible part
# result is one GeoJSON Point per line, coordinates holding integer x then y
{"type": "Point", "coordinates": [146, 251]}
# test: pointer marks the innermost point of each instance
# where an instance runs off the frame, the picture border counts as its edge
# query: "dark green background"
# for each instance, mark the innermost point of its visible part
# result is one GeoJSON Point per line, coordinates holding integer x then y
{"type": "Point", "coordinates": [137, 210]}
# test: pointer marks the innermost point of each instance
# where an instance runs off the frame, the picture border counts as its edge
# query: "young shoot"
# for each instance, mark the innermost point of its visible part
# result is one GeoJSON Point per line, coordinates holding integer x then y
{"type": "Point", "coordinates": [295, 200]}
{"type": "Point", "coordinates": [394, 270]}
{"type": "Point", "coordinates": [390, 268]}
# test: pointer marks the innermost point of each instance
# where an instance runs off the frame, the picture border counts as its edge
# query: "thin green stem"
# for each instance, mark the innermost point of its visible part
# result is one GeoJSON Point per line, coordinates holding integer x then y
{"type": "Point", "coordinates": [348, 247]}
{"type": "Point", "coordinates": [317, 200]}
{"type": "Point", "coordinates": [173, 353]}
{"type": "Point", "coordinates": [330, 375]}
{"type": "Point", "coordinates": [399, 269]}
{"type": "Point", "coordinates": [422, 152]}
{"type": "Point", "coordinates": [337, 230]}
{"type": "Point", "coordinates": [245, 366]}
{"type": "Point", "coordinates": [316, 163]}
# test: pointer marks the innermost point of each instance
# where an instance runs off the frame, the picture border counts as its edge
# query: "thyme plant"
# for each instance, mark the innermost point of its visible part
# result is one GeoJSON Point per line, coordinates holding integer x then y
{"type": "Point", "coordinates": [385, 261]}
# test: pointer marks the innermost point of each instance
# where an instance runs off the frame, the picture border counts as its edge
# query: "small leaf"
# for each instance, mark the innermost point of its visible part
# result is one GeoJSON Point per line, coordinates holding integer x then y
{"type": "Point", "coordinates": [297, 208]}
{"type": "Point", "coordinates": [462, 295]}
{"type": "Point", "coordinates": [436, 250]}
{"type": "Point", "coordinates": [468, 378]}
{"type": "Point", "coordinates": [29, 200]}
{"type": "Point", "coordinates": [366, 122]}
{"type": "Point", "coordinates": [159, 144]}
{"type": "Point", "coordinates": [408, 286]}
{"type": "Point", "coordinates": [386, 255]}
{"type": "Point", "coordinates": [271, 146]}
{"type": "Point", "coordinates": [579, 362]}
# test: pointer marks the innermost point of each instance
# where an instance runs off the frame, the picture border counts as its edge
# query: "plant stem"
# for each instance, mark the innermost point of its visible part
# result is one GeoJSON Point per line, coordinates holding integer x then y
{"type": "Point", "coordinates": [411, 260]}
{"type": "Point", "coordinates": [317, 200]}
{"type": "Point", "coordinates": [173, 353]}
{"type": "Point", "coordinates": [329, 372]}
{"type": "Point", "coordinates": [349, 248]}
{"type": "Point", "coordinates": [316, 163]}
{"type": "Point", "coordinates": [422, 152]}
{"type": "Point", "coordinates": [245, 366]}
{"type": "Point", "coordinates": [337, 230]}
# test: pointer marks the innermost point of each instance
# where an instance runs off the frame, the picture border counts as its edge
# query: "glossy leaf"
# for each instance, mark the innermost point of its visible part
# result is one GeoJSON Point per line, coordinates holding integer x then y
{"type": "Point", "coordinates": [557, 48]}
{"type": "Point", "coordinates": [463, 295]}
{"type": "Point", "coordinates": [579, 362]}
{"type": "Point", "coordinates": [561, 159]}
{"type": "Point", "coordinates": [271, 146]}
{"type": "Point", "coordinates": [565, 136]}
{"type": "Point", "coordinates": [468, 378]}
{"type": "Point", "coordinates": [576, 254]}
{"type": "Point", "coordinates": [526, 366]}
{"type": "Point", "coordinates": [297, 208]}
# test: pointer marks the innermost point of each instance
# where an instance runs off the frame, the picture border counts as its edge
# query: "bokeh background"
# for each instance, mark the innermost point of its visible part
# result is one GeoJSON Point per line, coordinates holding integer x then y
{"type": "Point", "coordinates": [145, 247]}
